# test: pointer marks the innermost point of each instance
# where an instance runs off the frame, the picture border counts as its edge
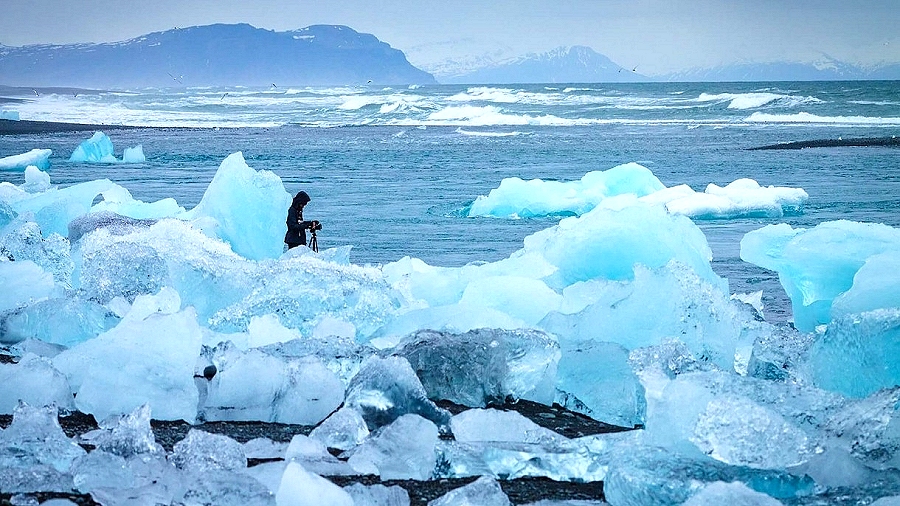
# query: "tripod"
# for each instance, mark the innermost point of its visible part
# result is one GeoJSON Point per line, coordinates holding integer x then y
{"type": "Point", "coordinates": [313, 241]}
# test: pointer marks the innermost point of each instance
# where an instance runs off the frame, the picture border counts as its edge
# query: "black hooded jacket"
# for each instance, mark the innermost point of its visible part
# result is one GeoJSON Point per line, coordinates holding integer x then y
{"type": "Point", "coordinates": [296, 227]}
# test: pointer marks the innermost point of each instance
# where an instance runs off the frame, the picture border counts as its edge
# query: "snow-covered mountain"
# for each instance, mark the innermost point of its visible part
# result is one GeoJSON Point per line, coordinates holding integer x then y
{"type": "Point", "coordinates": [214, 55]}
{"type": "Point", "coordinates": [575, 64]}
{"type": "Point", "coordinates": [824, 69]}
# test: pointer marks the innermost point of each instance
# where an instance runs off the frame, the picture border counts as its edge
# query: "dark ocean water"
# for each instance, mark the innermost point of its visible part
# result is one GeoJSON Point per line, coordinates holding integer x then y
{"type": "Point", "coordinates": [389, 170]}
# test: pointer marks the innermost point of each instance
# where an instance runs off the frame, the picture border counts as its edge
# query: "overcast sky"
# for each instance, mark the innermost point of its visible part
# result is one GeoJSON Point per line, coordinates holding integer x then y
{"type": "Point", "coordinates": [657, 36]}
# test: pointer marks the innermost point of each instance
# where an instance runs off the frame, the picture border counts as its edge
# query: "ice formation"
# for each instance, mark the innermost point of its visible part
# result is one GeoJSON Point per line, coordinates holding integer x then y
{"type": "Point", "coordinates": [123, 308]}
{"type": "Point", "coordinates": [515, 198]}
{"type": "Point", "coordinates": [9, 114]}
{"type": "Point", "coordinates": [39, 158]}
{"type": "Point", "coordinates": [99, 149]}
{"type": "Point", "coordinates": [819, 265]}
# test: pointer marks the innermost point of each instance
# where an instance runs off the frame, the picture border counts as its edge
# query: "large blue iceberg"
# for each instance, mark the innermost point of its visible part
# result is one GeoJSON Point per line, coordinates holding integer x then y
{"type": "Point", "coordinates": [515, 198]}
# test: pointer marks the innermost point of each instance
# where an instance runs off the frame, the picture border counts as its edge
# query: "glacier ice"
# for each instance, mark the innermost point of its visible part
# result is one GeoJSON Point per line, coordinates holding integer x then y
{"type": "Point", "coordinates": [385, 389]}
{"type": "Point", "coordinates": [300, 487]}
{"type": "Point", "coordinates": [494, 425]}
{"type": "Point", "coordinates": [484, 491]}
{"type": "Point", "coordinates": [402, 450]}
{"type": "Point", "coordinates": [483, 366]}
{"type": "Point", "coordinates": [21, 240]}
{"type": "Point", "coordinates": [343, 430]}
{"type": "Point", "coordinates": [651, 476]}
{"type": "Point", "coordinates": [34, 381]}
{"type": "Point", "coordinates": [735, 494]}
{"type": "Point", "coordinates": [301, 391]}
{"type": "Point", "coordinates": [246, 209]}
{"type": "Point", "coordinates": [201, 451]}
{"type": "Point", "coordinates": [63, 321]}
{"type": "Point", "coordinates": [595, 378]}
{"type": "Point", "coordinates": [818, 265]}
{"type": "Point", "coordinates": [585, 459]}
{"type": "Point", "coordinates": [515, 198]}
{"type": "Point", "coordinates": [377, 495]}
{"type": "Point", "coordinates": [146, 358]}
{"type": "Point", "coordinates": [126, 436]}
{"type": "Point", "coordinates": [314, 457]}
{"type": "Point", "coordinates": [36, 180]}
{"type": "Point", "coordinates": [855, 354]}
{"type": "Point", "coordinates": [39, 158]}
{"type": "Point", "coordinates": [99, 149]}
{"type": "Point", "coordinates": [24, 282]}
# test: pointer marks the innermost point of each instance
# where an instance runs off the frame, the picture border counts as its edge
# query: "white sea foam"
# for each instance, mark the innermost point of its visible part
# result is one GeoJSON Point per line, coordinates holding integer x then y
{"type": "Point", "coordinates": [805, 117]}
{"type": "Point", "coordinates": [487, 134]}
{"type": "Point", "coordinates": [756, 99]}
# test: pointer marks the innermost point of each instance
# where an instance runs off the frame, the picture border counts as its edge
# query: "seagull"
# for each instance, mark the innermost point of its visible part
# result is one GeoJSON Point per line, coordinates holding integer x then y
{"type": "Point", "coordinates": [369, 81]}
{"type": "Point", "coordinates": [273, 85]}
{"type": "Point", "coordinates": [223, 96]}
{"type": "Point", "coordinates": [634, 69]}
{"type": "Point", "coordinates": [176, 79]}
{"type": "Point", "coordinates": [75, 95]}
{"type": "Point", "coordinates": [35, 92]}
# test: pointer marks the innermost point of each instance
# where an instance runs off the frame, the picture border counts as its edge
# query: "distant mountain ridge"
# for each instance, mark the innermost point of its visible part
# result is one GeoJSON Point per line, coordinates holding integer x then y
{"type": "Point", "coordinates": [572, 64]}
{"type": "Point", "coordinates": [215, 55]}
{"type": "Point", "coordinates": [826, 69]}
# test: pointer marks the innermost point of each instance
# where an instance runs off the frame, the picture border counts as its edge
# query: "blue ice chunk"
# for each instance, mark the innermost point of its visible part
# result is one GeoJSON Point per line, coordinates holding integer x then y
{"type": "Point", "coordinates": [485, 491]}
{"type": "Point", "coordinates": [385, 389]}
{"type": "Point", "coordinates": [402, 450]}
{"type": "Point", "coordinates": [65, 321]}
{"type": "Point", "coordinates": [99, 148]}
{"type": "Point", "coordinates": [36, 180]}
{"type": "Point", "coordinates": [200, 452]}
{"type": "Point", "coordinates": [34, 381]}
{"type": "Point", "coordinates": [515, 198]}
{"type": "Point", "coordinates": [594, 378]}
{"type": "Point", "coordinates": [648, 476]}
{"type": "Point", "coordinates": [525, 199]}
{"type": "Point", "coordinates": [245, 208]}
{"type": "Point", "coordinates": [40, 158]}
{"type": "Point", "coordinates": [148, 358]}
{"type": "Point", "coordinates": [36, 438]}
{"type": "Point", "coordinates": [856, 354]}
{"type": "Point", "coordinates": [483, 366]}
{"type": "Point", "coordinates": [816, 266]}
{"type": "Point", "coordinates": [134, 155]}
{"type": "Point", "coordinates": [610, 240]}
{"type": "Point", "coordinates": [22, 240]}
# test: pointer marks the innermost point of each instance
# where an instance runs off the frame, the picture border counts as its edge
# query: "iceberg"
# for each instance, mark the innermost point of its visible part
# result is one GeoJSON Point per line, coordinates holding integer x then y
{"type": "Point", "coordinates": [9, 114]}
{"type": "Point", "coordinates": [99, 149]}
{"type": "Point", "coordinates": [818, 265]}
{"type": "Point", "coordinates": [526, 199]}
{"type": "Point", "coordinates": [245, 208]}
{"type": "Point", "coordinates": [148, 357]}
{"type": "Point", "coordinates": [39, 158]}
{"type": "Point", "coordinates": [515, 198]}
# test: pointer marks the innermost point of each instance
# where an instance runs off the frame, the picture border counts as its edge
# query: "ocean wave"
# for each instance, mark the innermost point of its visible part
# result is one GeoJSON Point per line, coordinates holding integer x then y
{"type": "Point", "coordinates": [805, 117]}
{"type": "Point", "coordinates": [756, 99]}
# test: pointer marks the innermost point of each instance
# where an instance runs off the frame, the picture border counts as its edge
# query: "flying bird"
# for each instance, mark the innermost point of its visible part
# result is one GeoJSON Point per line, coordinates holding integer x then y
{"type": "Point", "coordinates": [634, 69]}
{"type": "Point", "coordinates": [35, 92]}
{"type": "Point", "coordinates": [176, 79]}
{"type": "Point", "coordinates": [223, 96]}
{"type": "Point", "coordinates": [369, 81]}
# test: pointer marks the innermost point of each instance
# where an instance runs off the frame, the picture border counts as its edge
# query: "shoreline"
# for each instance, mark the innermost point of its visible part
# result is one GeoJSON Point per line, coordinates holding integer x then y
{"type": "Point", "coordinates": [833, 143]}
{"type": "Point", "coordinates": [24, 127]}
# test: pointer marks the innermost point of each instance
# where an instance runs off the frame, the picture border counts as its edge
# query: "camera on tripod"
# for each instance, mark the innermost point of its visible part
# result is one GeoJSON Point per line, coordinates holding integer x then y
{"type": "Point", "coordinates": [314, 225]}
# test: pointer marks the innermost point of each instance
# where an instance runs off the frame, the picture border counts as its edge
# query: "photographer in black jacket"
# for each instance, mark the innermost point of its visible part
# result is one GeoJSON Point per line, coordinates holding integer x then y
{"type": "Point", "coordinates": [296, 227]}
